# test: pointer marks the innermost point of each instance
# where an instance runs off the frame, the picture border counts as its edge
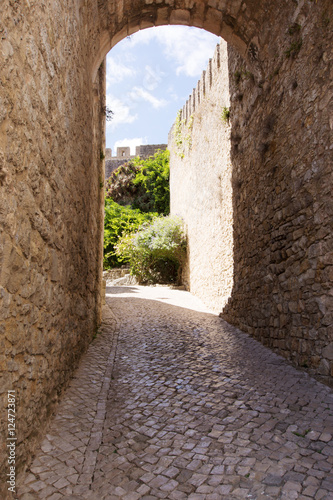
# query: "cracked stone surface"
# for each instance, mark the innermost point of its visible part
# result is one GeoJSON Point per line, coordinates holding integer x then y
{"type": "Point", "coordinates": [172, 402]}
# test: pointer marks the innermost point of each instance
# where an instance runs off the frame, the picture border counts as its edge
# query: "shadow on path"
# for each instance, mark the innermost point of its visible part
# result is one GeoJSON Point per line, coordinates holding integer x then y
{"type": "Point", "coordinates": [172, 402]}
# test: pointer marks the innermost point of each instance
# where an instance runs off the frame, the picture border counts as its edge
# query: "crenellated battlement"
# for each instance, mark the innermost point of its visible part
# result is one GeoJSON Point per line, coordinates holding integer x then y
{"type": "Point", "coordinates": [124, 154]}
{"type": "Point", "coordinates": [211, 90]}
{"type": "Point", "coordinates": [203, 86]}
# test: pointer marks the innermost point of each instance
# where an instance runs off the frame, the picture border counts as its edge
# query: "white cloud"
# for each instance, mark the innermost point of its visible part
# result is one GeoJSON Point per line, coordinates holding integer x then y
{"type": "Point", "coordinates": [121, 112]}
{"type": "Point", "coordinates": [189, 48]}
{"type": "Point", "coordinates": [138, 93]}
{"type": "Point", "coordinates": [117, 71]}
{"type": "Point", "coordinates": [172, 93]}
{"type": "Point", "coordinates": [132, 143]}
{"type": "Point", "coordinates": [152, 77]}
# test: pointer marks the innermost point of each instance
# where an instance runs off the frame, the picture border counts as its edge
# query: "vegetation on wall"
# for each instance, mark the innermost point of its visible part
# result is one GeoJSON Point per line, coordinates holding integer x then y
{"type": "Point", "coordinates": [296, 44]}
{"type": "Point", "coordinates": [108, 113]}
{"type": "Point", "coordinates": [143, 184]}
{"type": "Point", "coordinates": [177, 133]}
{"type": "Point", "coordinates": [182, 133]}
{"type": "Point", "coordinates": [119, 186]}
{"type": "Point", "coordinates": [225, 115]}
{"type": "Point", "coordinates": [241, 75]}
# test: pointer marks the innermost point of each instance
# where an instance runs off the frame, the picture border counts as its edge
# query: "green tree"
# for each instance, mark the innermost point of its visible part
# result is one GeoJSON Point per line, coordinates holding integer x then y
{"type": "Point", "coordinates": [153, 176]}
{"type": "Point", "coordinates": [135, 194]}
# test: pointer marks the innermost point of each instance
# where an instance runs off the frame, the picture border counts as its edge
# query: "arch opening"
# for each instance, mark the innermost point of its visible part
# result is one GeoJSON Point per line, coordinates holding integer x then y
{"type": "Point", "coordinates": [270, 118]}
{"type": "Point", "coordinates": [200, 199]}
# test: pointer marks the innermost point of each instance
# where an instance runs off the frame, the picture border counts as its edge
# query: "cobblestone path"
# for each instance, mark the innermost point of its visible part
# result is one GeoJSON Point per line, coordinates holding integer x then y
{"type": "Point", "coordinates": [172, 402]}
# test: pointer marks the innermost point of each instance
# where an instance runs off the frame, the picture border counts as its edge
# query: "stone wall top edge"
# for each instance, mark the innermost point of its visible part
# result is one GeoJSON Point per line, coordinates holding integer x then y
{"type": "Point", "coordinates": [204, 84]}
{"type": "Point", "coordinates": [144, 147]}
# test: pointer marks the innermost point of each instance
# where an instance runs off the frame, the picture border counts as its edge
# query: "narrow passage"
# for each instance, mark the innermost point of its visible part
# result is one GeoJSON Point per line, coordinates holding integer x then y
{"type": "Point", "coordinates": [172, 402]}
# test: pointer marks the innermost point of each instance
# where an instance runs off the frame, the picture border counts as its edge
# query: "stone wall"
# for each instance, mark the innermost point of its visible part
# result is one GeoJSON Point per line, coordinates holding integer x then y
{"type": "Point", "coordinates": [123, 156]}
{"type": "Point", "coordinates": [282, 131]}
{"type": "Point", "coordinates": [281, 162]}
{"type": "Point", "coordinates": [200, 183]}
{"type": "Point", "coordinates": [112, 165]}
{"type": "Point", "coordinates": [51, 190]}
{"type": "Point", "coordinates": [147, 150]}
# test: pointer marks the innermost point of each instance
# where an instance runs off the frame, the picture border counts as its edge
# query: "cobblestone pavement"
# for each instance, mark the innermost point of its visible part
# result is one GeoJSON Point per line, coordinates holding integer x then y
{"type": "Point", "coordinates": [174, 403]}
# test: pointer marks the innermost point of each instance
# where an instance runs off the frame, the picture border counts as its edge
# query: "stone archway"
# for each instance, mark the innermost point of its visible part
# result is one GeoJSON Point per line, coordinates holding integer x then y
{"type": "Point", "coordinates": [281, 295]}
{"type": "Point", "coordinates": [237, 22]}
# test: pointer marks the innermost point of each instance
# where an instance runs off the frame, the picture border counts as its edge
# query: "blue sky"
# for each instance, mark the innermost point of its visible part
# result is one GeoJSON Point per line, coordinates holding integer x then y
{"type": "Point", "coordinates": [149, 78]}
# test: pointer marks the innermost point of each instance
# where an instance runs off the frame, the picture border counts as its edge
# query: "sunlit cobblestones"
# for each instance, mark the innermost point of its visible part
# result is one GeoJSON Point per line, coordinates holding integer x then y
{"type": "Point", "coordinates": [174, 403]}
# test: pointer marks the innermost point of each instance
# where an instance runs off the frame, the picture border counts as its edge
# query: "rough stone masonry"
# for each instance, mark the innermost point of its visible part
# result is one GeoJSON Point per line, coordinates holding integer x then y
{"type": "Point", "coordinates": [251, 174]}
{"type": "Point", "coordinates": [124, 155]}
{"type": "Point", "coordinates": [51, 179]}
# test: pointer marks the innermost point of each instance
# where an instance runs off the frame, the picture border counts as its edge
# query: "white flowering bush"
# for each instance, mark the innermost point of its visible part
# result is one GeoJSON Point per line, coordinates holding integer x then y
{"type": "Point", "coordinates": [156, 253]}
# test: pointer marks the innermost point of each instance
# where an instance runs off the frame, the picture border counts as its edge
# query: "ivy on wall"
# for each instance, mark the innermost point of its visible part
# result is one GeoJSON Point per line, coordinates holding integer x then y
{"type": "Point", "coordinates": [182, 133]}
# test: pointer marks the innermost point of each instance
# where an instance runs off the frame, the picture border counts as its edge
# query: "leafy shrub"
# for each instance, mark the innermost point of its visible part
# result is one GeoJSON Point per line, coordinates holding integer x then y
{"type": "Point", "coordinates": [155, 253]}
{"type": "Point", "coordinates": [119, 221]}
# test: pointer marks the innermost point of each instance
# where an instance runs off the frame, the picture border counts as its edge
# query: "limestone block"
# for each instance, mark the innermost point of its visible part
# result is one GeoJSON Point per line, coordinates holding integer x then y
{"type": "Point", "coordinates": [7, 49]}
{"type": "Point", "coordinates": [147, 22]}
{"type": "Point", "coordinates": [3, 109]}
{"type": "Point", "coordinates": [328, 351]}
{"type": "Point", "coordinates": [213, 21]}
{"type": "Point", "coordinates": [3, 168]}
{"type": "Point", "coordinates": [162, 16]}
{"type": "Point", "coordinates": [19, 271]}
{"type": "Point", "coordinates": [32, 53]}
{"type": "Point", "coordinates": [235, 6]}
{"type": "Point", "coordinates": [46, 198]}
{"type": "Point", "coordinates": [324, 367]}
{"type": "Point", "coordinates": [180, 16]}
{"type": "Point", "coordinates": [6, 247]}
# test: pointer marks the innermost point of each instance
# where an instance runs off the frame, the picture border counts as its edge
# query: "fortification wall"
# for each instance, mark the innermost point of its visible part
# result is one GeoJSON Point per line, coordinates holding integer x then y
{"type": "Point", "coordinates": [200, 183]}
{"type": "Point", "coordinates": [51, 212]}
{"type": "Point", "coordinates": [281, 176]}
{"type": "Point", "coordinates": [123, 156]}
{"type": "Point", "coordinates": [112, 165]}
{"type": "Point", "coordinates": [147, 150]}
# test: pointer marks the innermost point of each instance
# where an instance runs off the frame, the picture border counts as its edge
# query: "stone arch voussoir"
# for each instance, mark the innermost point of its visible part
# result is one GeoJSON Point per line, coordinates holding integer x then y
{"type": "Point", "coordinates": [225, 18]}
